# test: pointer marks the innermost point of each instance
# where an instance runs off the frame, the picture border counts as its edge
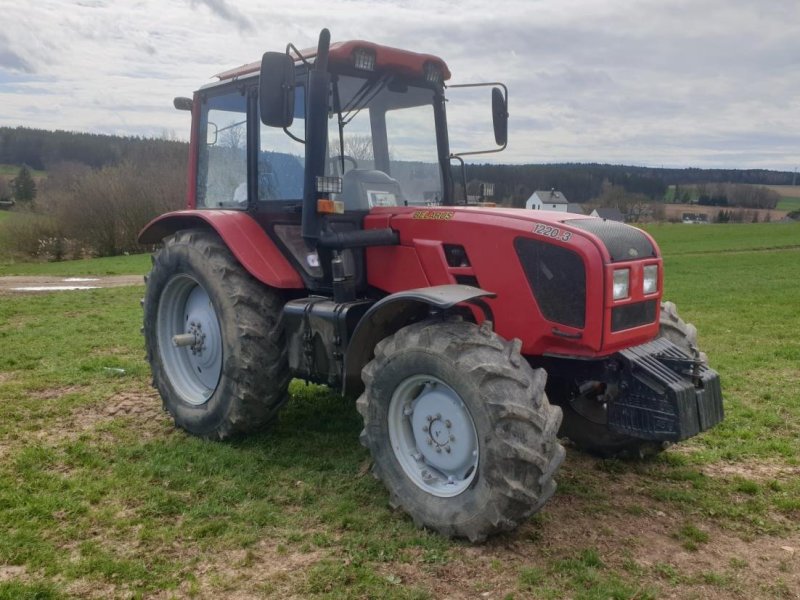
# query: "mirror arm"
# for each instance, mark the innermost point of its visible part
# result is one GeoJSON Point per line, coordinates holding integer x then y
{"type": "Point", "coordinates": [463, 172]}
{"type": "Point", "coordinates": [505, 96]}
{"type": "Point", "coordinates": [293, 136]}
{"type": "Point", "coordinates": [297, 53]}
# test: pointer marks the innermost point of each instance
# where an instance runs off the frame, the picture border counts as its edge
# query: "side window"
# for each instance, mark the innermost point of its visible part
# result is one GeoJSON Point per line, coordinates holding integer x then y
{"type": "Point", "coordinates": [281, 157]}
{"type": "Point", "coordinates": [222, 157]}
{"type": "Point", "coordinates": [413, 157]}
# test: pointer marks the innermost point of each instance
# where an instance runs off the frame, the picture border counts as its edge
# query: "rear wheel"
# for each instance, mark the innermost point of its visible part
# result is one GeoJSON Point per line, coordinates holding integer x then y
{"type": "Point", "coordinates": [585, 421]}
{"type": "Point", "coordinates": [459, 428]}
{"type": "Point", "coordinates": [213, 338]}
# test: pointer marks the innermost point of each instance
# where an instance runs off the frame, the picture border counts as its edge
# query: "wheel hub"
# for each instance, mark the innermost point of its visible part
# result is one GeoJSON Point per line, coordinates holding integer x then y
{"type": "Point", "coordinates": [433, 436]}
{"type": "Point", "coordinates": [190, 339]}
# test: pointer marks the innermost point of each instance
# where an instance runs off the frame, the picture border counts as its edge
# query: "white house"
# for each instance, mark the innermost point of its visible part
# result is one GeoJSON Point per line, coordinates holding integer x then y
{"type": "Point", "coordinates": [547, 200]}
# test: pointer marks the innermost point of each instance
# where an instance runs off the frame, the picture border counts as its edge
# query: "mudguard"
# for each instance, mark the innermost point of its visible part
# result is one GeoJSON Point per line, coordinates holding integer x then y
{"type": "Point", "coordinates": [248, 242]}
{"type": "Point", "coordinates": [395, 311]}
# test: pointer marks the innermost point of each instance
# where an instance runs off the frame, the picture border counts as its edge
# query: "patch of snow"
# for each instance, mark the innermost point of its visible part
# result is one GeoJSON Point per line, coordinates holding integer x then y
{"type": "Point", "coordinates": [54, 288]}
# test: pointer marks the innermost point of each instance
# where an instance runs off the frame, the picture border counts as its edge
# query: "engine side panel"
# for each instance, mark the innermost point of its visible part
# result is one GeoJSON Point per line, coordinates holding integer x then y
{"type": "Point", "coordinates": [488, 237]}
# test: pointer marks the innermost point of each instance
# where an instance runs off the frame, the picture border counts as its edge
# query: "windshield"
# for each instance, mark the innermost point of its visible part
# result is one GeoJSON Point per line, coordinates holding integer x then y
{"type": "Point", "coordinates": [387, 148]}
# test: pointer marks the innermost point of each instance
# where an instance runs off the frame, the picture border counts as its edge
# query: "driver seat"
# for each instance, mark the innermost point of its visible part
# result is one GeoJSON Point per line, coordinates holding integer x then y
{"type": "Point", "coordinates": [363, 189]}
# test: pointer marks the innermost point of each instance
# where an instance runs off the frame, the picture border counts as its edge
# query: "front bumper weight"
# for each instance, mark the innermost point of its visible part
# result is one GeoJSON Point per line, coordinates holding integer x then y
{"type": "Point", "coordinates": [665, 395]}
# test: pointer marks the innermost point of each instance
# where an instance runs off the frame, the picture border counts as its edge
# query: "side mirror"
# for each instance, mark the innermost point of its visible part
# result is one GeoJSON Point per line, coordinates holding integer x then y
{"type": "Point", "coordinates": [182, 103]}
{"type": "Point", "coordinates": [276, 89]}
{"type": "Point", "coordinates": [500, 117]}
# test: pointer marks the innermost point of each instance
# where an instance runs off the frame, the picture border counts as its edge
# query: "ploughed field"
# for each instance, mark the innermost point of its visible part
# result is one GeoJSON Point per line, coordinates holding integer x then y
{"type": "Point", "coordinates": [101, 497]}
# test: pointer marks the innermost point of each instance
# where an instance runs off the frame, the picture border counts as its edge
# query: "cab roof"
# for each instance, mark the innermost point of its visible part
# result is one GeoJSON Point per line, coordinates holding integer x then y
{"type": "Point", "coordinates": [341, 54]}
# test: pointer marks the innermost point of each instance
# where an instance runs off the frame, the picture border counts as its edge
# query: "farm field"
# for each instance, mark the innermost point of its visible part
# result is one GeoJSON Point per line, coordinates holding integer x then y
{"type": "Point", "coordinates": [101, 497]}
{"type": "Point", "coordinates": [11, 171]}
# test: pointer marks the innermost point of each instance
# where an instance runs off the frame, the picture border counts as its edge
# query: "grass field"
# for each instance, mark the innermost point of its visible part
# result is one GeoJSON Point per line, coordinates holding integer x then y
{"type": "Point", "coordinates": [101, 497]}
{"type": "Point", "coordinates": [789, 204]}
{"type": "Point", "coordinates": [11, 171]}
{"type": "Point", "coordinates": [112, 265]}
{"type": "Point", "coordinates": [4, 214]}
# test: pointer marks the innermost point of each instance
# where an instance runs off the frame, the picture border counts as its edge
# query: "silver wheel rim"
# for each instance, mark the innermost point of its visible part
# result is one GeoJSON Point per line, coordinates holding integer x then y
{"type": "Point", "coordinates": [433, 436]}
{"type": "Point", "coordinates": [193, 370]}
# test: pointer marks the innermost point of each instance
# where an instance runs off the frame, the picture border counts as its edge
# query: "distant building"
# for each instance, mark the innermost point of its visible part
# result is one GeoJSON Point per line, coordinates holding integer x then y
{"type": "Point", "coordinates": [547, 200]}
{"type": "Point", "coordinates": [691, 218]}
{"type": "Point", "coordinates": [576, 208]}
{"type": "Point", "coordinates": [608, 213]}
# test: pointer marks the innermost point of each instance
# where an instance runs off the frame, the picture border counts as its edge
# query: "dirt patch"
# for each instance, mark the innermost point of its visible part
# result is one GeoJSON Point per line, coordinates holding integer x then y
{"type": "Point", "coordinates": [755, 471]}
{"type": "Point", "coordinates": [11, 573]}
{"type": "Point", "coordinates": [143, 407]}
{"type": "Point", "coordinates": [265, 570]}
{"type": "Point", "coordinates": [30, 284]}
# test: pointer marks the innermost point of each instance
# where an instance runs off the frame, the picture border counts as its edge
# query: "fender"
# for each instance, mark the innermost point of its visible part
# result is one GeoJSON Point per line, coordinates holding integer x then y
{"type": "Point", "coordinates": [248, 242]}
{"type": "Point", "coordinates": [395, 311]}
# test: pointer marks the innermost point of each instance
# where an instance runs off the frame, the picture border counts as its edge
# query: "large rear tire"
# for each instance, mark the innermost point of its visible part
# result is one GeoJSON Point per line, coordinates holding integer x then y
{"type": "Point", "coordinates": [459, 428]}
{"type": "Point", "coordinates": [588, 431]}
{"type": "Point", "coordinates": [229, 376]}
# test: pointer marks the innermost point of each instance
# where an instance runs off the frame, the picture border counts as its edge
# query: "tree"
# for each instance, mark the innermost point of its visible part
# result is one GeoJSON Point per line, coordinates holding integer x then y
{"type": "Point", "coordinates": [5, 190]}
{"type": "Point", "coordinates": [23, 186]}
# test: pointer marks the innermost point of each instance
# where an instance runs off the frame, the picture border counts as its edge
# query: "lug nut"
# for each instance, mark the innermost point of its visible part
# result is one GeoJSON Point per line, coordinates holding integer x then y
{"type": "Point", "coordinates": [438, 450]}
{"type": "Point", "coordinates": [430, 418]}
{"type": "Point", "coordinates": [452, 438]}
{"type": "Point", "coordinates": [448, 424]}
{"type": "Point", "coordinates": [430, 442]}
{"type": "Point", "coordinates": [425, 428]}
{"type": "Point", "coordinates": [447, 449]}
{"type": "Point", "coordinates": [438, 415]}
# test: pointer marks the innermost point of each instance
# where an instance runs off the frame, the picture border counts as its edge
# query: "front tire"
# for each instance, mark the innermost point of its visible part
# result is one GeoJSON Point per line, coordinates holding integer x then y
{"type": "Point", "coordinates": [459, 428]}
{"type": "Point", "coordinates": [229, 376]}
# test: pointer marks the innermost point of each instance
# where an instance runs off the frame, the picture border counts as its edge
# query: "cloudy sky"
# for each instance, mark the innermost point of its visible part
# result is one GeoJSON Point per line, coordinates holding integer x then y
{"type": "Point", "coordinates": [675, 83]}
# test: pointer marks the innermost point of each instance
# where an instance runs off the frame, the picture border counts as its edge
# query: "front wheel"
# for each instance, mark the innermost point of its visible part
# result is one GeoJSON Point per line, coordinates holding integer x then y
{"type": "Point", "coordinates": [213, 337]}
{"type": "Point", "coordinates": [459, 428]}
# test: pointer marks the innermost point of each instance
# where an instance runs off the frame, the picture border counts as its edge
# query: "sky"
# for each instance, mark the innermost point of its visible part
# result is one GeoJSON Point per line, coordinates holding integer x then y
{"type": "Point", "coordinates": [674, 83]}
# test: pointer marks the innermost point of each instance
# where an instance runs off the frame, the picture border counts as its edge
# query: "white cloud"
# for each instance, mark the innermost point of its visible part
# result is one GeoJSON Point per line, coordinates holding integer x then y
{"type": "Point", "coordinates": [703, 83]}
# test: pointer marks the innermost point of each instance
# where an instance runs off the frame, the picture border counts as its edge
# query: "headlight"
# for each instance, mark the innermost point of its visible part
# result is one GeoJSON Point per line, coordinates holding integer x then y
{"type": "Point", "coordinates": [621, 279]}
{"type": "Point", "coordinates": [650, 281]}
{"type": "Point", "coordinates": [364, 59]}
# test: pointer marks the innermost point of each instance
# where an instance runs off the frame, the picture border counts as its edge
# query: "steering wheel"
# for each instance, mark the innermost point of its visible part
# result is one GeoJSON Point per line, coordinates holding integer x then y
{"type": "Point", "coordinates": [336, 162]}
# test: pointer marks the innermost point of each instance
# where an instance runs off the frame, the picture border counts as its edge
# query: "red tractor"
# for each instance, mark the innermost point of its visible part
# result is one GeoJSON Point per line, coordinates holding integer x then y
{"type": "Point", "coordinates": [323, 241]}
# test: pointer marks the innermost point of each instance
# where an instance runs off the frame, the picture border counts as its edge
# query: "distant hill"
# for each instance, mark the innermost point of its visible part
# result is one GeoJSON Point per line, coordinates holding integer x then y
{"type": "Point", "coordinates": [580, 182]}
{"type": "Point", "coordinates": [40, 149]}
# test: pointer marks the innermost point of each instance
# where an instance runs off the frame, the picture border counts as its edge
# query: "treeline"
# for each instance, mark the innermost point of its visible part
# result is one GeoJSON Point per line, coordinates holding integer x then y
{"type": "Point", "coordinates": [731, 194]}
{"type": "Point", "coordinates": [99, 191]}
{"type": "Point", "coordinates": [584, 182]}
{"type": "Point", "coordinates": [40, 149]}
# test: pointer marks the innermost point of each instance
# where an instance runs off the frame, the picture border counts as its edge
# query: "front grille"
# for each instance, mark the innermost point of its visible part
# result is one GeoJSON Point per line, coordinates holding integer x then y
{"type": "Point", "coordinates": [557, 279]}
{"type": "Point", "coordinates": [623, 242]}
{"type": "Point", "coordinates": [633, 315]}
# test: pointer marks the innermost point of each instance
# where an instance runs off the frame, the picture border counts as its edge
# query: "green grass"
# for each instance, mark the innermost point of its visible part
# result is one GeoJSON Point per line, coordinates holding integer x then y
{"type": "Point", "coordinates": [4, 214]}
{"type": "Point", "coordinates": [11, 171]}
{"type": "Point", "coordinates": [99, 495]}
{"type": "Point", "coordinates": [678, 239]}
{"type": "Point", "coordinates": [789, 203]}
{"type": "Point", "coordinates": [133, 264]}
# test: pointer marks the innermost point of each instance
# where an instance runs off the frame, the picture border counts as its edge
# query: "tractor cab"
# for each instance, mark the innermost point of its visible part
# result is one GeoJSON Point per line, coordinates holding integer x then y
{"type": "Point", "coordinates": [309, 142]}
